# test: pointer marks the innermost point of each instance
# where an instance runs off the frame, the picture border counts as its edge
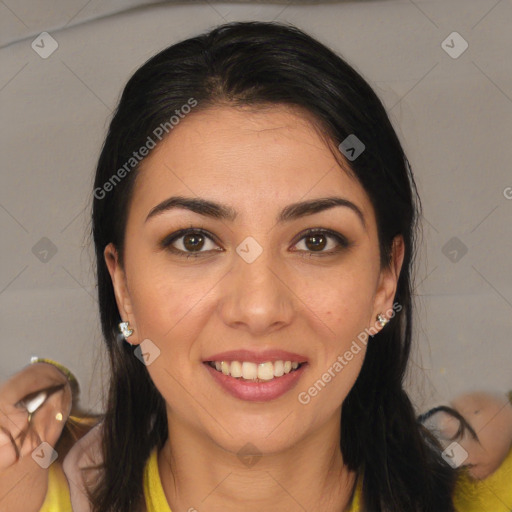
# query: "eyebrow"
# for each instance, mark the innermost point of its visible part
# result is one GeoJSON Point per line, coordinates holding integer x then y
{"type": "Point", "coordinates": [223, 212]}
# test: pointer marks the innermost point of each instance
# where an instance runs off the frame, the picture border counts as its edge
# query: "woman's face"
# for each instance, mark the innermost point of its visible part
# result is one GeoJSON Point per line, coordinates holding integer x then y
{"type": "Point", "coordinates": [252, 282]}
{"type": "Point", "coordinates": [491, 418]}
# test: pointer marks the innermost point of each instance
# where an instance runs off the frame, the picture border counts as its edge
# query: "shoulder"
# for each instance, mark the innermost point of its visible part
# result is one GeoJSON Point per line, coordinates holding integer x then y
{"type": "Point", "coordinates": [471, 495]}
{"type": "Point", "coordinates": [85, 453]}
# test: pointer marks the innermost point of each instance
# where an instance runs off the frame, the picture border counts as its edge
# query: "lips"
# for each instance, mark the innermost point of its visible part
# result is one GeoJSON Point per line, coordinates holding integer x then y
{"type": "Point", "coordinates": [257, 376]}
{"type": "Point", "coordinates": [257, 390]}
{"type": "Point", "coordinates": [257, 357]}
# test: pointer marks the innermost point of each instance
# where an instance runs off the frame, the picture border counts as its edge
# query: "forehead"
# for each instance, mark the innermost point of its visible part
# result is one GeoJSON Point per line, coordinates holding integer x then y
{"type": "Point", "coordinates": [249, 158]}
{"type": "Point", "coordinates": [479, 401]}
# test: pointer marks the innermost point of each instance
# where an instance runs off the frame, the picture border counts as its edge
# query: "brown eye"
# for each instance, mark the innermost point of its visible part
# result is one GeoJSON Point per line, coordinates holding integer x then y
{"type": "Point", "coordinates": [316, 240]}
{"type": "Point", "coordinates": [188, 243]}
{"type": "Point", "coordinates": [193, 242]}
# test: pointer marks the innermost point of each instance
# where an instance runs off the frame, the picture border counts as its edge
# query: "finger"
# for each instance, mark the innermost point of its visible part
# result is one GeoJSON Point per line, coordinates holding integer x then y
{"type": "Point", "coordinates": [48, 421]}
{"type": "Point", "coordinates": [15, 422]}
{"type": "Point", "coordinates": [9, 452]}
{"type": "Point", "coordinates": [30, 379]}
{"type": "Point", "coordinates": [31, 441]}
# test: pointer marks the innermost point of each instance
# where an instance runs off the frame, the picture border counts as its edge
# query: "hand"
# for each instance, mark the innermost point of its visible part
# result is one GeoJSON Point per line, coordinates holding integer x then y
{"type": "Point", "coordinates": [34, 406]}
{"type": "Point", "coordinates": [487, 436]}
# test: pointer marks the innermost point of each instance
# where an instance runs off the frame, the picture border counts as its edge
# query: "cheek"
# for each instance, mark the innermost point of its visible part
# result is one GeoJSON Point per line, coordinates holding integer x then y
{"type": "Point", "coordinates": [164, 302]}
{"type": "Point", "coordinates": [337, 311]}
{"type": "Point", "coordinates": [342, 303]}
{"type": "Point", "coordinates": [496, 443]}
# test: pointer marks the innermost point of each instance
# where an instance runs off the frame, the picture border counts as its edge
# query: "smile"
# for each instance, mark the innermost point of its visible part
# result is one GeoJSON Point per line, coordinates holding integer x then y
{"type": "Point", "coordinates": [255, 372]}
{"type": "Point", "coordinates": [256, 382]}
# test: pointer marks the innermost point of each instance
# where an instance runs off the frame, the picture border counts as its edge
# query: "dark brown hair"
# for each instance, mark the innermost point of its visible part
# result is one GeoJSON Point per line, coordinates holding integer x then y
{"type": "Point", "coordinates": [257, 63]}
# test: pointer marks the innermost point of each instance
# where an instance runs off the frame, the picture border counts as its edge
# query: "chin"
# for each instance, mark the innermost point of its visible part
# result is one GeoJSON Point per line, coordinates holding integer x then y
{"type": "Point", "coordinates": [480, 472]}
{"type": "Point", "coordinates": [257, 442]}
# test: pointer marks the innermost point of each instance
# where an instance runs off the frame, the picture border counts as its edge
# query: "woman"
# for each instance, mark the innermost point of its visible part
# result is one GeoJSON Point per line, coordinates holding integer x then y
{"type": "Point", "coordinates": [254, 220]}
{"type": "Point", "coordinates": [481, 424]}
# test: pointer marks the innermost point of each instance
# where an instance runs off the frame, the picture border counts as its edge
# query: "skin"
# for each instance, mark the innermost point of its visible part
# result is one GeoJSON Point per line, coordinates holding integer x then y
{"type": "Point", "coordinates": [23, 482]}
{"type": "Point", "coordinates": [490, 415]}
{"type": "Point", "coordinates": [257, 162]}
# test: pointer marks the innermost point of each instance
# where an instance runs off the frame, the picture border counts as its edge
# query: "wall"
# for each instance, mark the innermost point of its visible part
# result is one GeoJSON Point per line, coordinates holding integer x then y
{"type": "Point", "coordinates": [452, 112]}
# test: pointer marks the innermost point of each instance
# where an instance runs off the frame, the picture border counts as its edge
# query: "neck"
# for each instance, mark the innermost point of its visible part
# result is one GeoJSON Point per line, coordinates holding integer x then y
{"type": "Point", "coordinates": [309, 475]}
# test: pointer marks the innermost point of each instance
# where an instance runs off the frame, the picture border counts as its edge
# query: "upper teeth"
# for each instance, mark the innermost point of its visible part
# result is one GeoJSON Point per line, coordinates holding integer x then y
{"type": "Point", "coordinates": [251, 371]}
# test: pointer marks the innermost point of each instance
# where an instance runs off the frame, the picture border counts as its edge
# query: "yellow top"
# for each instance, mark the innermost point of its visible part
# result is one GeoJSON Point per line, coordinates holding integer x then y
{"type": "Point", "coordinates": [57, 496]}
{"type": "Point", "coordinates": [494, 494]}
{"type": "Point", "coordinates": [157, 502]}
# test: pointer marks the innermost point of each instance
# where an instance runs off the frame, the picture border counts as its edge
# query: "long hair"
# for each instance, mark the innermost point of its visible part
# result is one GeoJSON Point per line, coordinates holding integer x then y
{"type": "Point", "coordinates": [262, 64]}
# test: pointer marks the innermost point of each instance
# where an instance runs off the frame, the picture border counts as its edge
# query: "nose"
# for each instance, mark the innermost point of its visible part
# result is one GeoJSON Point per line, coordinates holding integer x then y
{"type": "Point", "coordinates": [256, 296]}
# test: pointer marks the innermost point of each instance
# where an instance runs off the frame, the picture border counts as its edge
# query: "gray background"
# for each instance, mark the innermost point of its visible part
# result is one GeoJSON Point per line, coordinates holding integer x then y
{"type": "Point", "coordinates": [454, 116]}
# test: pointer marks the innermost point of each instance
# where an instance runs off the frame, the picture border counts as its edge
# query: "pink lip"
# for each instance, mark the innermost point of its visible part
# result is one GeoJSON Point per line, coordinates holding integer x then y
{"type": "Point", "coordinates": [257, 357]}
{"type": "Point", "coordinates": [257, 391]}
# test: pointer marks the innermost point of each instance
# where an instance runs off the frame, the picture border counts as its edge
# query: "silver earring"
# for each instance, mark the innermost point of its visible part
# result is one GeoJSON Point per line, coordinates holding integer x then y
{"type": "Point", "coordinates": [124, 328]}
{"type": "Point", "coordinates": [382, 320]}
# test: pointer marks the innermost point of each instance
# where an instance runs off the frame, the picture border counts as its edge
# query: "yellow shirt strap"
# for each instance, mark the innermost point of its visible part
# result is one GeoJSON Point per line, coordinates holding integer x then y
{"type": "Point", "coordinates": [57, 496]}
{"type": "Point", "coordinates": [153, 490]}
{"type": "Point", "coordinates": [355, 504]}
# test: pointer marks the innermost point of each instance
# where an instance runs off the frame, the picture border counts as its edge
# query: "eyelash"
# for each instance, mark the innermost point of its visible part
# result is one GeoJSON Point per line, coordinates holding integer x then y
{"type": "Point", "coordinates": [167, 242]}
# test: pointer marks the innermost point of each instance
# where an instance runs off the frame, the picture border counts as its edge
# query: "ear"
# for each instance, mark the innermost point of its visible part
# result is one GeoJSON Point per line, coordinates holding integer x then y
{"type": "Point", "coordinates": [121, 291]}
{"type": "Point", "coordinates": [388, 280]}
